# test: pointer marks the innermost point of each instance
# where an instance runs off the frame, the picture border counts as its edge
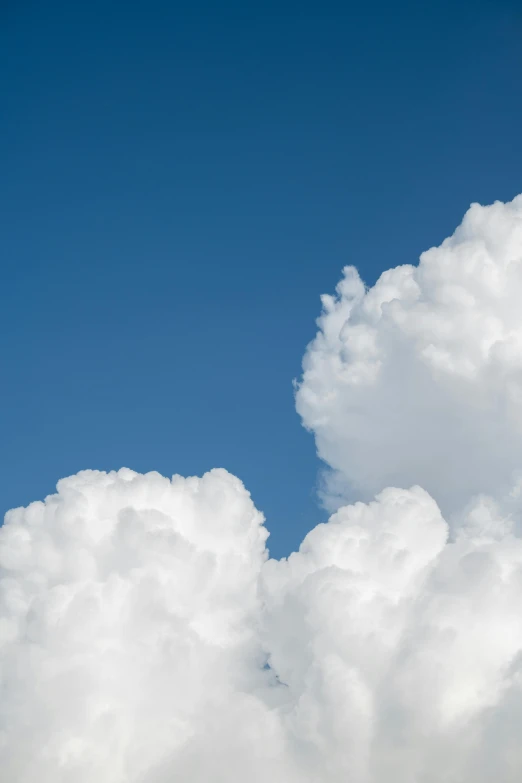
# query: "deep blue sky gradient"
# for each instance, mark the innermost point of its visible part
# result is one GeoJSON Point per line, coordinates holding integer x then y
{"type": "Point", "coordinates": [181, 181]}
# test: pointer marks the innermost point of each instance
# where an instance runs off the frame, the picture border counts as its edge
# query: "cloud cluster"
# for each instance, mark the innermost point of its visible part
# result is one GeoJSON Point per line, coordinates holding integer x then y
{"type": "Point", "coordinates": [146, 637]}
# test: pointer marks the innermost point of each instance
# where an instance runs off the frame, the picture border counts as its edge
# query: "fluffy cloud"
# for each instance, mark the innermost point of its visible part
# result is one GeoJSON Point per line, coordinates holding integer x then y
{"type": "Point", "coordinates": [128, 608]}
{"type": "Point", "coordinates": [419, 379]}
{"type": "Point", "coordinates": [145, 636]}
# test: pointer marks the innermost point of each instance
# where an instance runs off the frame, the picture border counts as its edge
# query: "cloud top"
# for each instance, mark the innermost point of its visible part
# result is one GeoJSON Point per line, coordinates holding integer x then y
{"type": "Point", "coordinates": [419, 378]}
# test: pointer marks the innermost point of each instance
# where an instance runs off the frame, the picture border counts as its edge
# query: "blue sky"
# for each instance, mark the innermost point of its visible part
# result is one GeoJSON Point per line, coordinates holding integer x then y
{"type": "Point", "coordinates": [182, 181]}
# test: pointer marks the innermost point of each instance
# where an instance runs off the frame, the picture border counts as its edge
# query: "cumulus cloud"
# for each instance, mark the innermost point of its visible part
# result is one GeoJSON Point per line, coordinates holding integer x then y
{"type": "Point", "coordinates": [419, 378]}
{"type": "Point", "coordinates": [128, 608]}
{"type": "Point", "coordinates": [146, 637]}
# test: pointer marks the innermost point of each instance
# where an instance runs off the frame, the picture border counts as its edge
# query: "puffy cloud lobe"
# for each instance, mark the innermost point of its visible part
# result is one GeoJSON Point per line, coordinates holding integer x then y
{"type": "Point", "coordinates": [128, 608]}
{"type": "Point", "coordinates": [146, 637]}
{"type": "Point", "coordinates": [419, 378]}
{"type": "Point", "coordinates": [401, 648]}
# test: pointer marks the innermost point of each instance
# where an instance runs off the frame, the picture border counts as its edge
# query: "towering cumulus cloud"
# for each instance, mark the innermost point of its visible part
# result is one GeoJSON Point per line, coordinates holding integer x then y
{"type": "Point", "coordinates": [145, 636]}
{"type": "Point", "coordinates": [419, 379]}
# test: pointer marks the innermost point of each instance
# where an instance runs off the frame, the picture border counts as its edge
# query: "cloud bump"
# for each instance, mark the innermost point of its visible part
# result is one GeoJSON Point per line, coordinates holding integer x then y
{"type": "Point", "coordinates": [146, 637]}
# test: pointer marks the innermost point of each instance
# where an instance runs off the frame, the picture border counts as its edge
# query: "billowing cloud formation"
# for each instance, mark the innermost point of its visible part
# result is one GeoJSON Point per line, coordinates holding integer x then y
{"type": "Point", "coordinates": [419, 379]}
{"type": "Point", "coordinates": [128, 608]}
{"type": "Point", "coordinates": [145, 637]}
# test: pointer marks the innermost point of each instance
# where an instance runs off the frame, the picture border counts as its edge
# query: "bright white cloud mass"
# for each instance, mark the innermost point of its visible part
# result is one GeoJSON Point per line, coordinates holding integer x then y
{"type": "Point", "coordinates": [145, 636]}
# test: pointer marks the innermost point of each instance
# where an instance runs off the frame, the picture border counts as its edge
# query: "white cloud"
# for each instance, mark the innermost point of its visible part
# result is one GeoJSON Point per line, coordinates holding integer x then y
{"type": "Point", "coordinates": [419, 379]}
{"type": "Point", "coordinates": [128, 618]}
{"type": "Point", "coordinates": [145, 637]}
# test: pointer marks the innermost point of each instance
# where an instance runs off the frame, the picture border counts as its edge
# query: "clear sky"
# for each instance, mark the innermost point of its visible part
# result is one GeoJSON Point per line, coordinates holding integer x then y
{"type": "Point", "coordinates": [181, 181]}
